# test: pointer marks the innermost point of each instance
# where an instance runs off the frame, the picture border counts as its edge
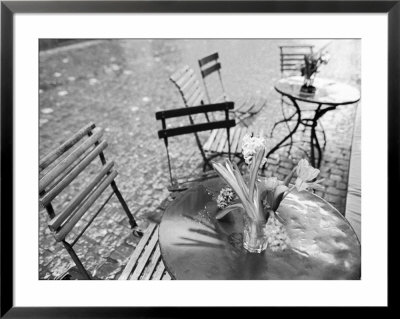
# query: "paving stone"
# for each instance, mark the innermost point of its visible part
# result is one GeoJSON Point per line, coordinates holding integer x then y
{"type": "Point", "coordinates": [121, 253]}
{"type": "Point", "coordinates": [336, 171]}
{"type": "Point", "coordinates": [107, 270]}
{"type": "Point", "coordinates": [320, 193]}
{"type": "Point", "coordinates": [342, 162]}
{"type": "Point", "coordinates": [334, 191]}
{"type": "Point", "coordinates": [280, 176]}
{"type": "Point", "coordinates": [284, 171]}
{"type": "Point", "coordinates": [288, 165]}
{"type": "Point", "coordinates": [341, 186]}
{"type": "Point", "coordinates": [337, 178]}
{"type": "Point", "coordinates": [108, 239]}
{"type": "Point", "coordinates": [332, 198]}
{"type": "Point", "coordinates": [267, 173]}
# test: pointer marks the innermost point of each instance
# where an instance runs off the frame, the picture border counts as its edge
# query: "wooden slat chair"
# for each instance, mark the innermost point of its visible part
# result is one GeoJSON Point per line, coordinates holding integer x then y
{"type": "Point", "coordinates": [192, 94]}
{"type": "Point", "coordinates": [145, 263]}
{"type": "Point", "coordinates": [246, 107]}
{"type": "Point", "coordinates": [62, 167]}
{"type": "Point", "coordinates": [224, 138]}
{"type": "Point", "coordinates": [189, 87]}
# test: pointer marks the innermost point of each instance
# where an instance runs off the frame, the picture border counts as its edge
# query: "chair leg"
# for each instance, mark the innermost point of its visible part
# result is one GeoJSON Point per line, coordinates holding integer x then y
{"type": "Point", "coordinates": [76, 260]}
{"type": "Point", "coordinates": [134, 226]}
{"type": "Point", "coordinates": [207, 161]}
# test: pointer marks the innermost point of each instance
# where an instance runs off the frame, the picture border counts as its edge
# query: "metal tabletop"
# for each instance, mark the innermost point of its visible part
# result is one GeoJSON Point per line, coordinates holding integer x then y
{"type": "Point", "coordinates": [194, 245]}
{"type": "Point", "coordinates": [328, 92]}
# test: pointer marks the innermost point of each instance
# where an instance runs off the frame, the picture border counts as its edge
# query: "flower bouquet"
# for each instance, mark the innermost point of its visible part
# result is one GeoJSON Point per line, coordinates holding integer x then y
{"type": "Point", "coordinates": [310, 68]}
{"type": "Point", "coordinates": [259, 199]}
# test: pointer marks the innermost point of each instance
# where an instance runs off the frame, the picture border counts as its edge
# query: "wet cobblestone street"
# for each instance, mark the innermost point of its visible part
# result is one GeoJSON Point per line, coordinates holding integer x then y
{"type": "Point", "coordinates": [120, 84]}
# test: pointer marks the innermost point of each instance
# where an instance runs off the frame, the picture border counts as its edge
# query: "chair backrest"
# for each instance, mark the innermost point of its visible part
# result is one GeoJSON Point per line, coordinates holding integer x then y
{"type": "Point", "coordinates": [61, 168]}
{"type": "Point", "coordinates": [194, 128]}
{"type": "Point", "coordinates": [192, 94]}
{"type": "Point", "coordinates": [292, 57]}
{"type": "Point", "coordinates": [189, 87]}
{"type": "Point", "coordinates": [210, 65]}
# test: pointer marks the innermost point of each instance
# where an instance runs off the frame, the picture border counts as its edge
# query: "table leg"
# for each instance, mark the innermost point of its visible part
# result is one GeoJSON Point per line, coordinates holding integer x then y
{"type": "Point", "coordinates": [315, 162]}
{"type": "Point", "coordinates": [320, 153]}
{"type": "Point", "coordinates": [314, 138]}
{"type": "Point", "coordinates": [285, 120]}
{"type": "Point", "coordinates": [315, 144]}
{"type": "Point", "coordinates": [276, 147]}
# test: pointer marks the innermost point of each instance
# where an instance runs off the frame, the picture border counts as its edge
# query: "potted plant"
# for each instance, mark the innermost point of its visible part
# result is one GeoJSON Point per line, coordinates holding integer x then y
{"type": "Point", "coordinates": [258, 199]}
{"type": "Point", "coordinates": [310, 68]}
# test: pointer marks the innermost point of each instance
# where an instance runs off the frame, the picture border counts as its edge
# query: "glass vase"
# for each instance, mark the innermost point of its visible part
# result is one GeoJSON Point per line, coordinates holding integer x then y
{"type": "Point", "coordinates": [254, 237]}
{"type": "Point", "coordinates": [307, 86]}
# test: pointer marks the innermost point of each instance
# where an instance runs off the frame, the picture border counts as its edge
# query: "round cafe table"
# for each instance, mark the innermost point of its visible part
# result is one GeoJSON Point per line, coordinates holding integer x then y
{"type": "Point", "coordinates": [328, 95]}
{"type": "Point", "coordinates": [194, 245]}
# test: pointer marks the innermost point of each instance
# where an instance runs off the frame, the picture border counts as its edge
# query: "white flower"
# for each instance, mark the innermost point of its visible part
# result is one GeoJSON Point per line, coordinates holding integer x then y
{"type": "Point", "coordinates": [250, 145]}
{"type": "Point", "coordinates": [305, 174]}
{"type": "Point", "coordinates": [325, 57]}
{"type": "Point", "coordinates": [271, 183]}
{"type": "Point", "coordinates": [277, 238]}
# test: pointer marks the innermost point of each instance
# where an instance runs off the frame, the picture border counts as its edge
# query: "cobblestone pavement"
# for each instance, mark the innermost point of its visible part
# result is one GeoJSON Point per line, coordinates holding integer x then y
{"type": "Point", "coordinates": [120, 84]}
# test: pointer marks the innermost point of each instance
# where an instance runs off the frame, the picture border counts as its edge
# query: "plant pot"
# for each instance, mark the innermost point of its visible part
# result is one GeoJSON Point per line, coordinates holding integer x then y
{"type": "Point", "coordinates": [310, 89]}
{"type": "Point", "coordinates": [307, 86]}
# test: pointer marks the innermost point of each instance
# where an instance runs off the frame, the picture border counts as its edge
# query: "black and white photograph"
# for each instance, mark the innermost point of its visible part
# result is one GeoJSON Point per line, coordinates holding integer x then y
{"type": "Point", "coordinates": [161, 159]}
{"type": "Point", "coordinates": [199, 159]}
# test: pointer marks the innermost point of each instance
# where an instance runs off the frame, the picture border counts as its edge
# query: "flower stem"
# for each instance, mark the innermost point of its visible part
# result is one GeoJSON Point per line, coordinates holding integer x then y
{"type": "Point", "coordinates": [289, 177]}
{"type": "Point", "coordinates": [288, 191]}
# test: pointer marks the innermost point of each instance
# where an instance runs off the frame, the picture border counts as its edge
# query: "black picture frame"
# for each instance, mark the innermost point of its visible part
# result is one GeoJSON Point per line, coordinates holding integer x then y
{"type": "Point", "coordinates": [9, 8]}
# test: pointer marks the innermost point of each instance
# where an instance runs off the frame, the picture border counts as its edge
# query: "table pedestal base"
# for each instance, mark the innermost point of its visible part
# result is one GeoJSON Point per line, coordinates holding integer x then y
{"type": "Point", "coordinates": [316, 152]}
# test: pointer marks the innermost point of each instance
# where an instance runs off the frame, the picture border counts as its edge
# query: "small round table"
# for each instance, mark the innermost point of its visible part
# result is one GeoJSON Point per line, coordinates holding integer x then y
{"type": "Point", "coordinates": [194, 245]}
{"type": "Point", "coordinates": [328, 95]}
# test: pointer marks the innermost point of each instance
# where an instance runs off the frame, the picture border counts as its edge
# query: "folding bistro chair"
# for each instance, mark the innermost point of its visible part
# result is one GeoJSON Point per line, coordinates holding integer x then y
{"type": "Point", "coordinates": [62, 167]}
{"type": "Point", "coordinates": [224, 138]}
{"type": "Point", "coordinates": [246, 107]}
{"type": "Point", "coordinates": [192, 94]}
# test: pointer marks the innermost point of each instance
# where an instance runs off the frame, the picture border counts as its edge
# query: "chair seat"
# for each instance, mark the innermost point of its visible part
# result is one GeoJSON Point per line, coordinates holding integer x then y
{"type": "Point", "coordinates": [145, 262]}
{"type": "Point", "coordinates": [250, 105]}
{"type": "Point", "coordinates": [218, 140]}
{"type": "Point", "coordinates": [246, 105]}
